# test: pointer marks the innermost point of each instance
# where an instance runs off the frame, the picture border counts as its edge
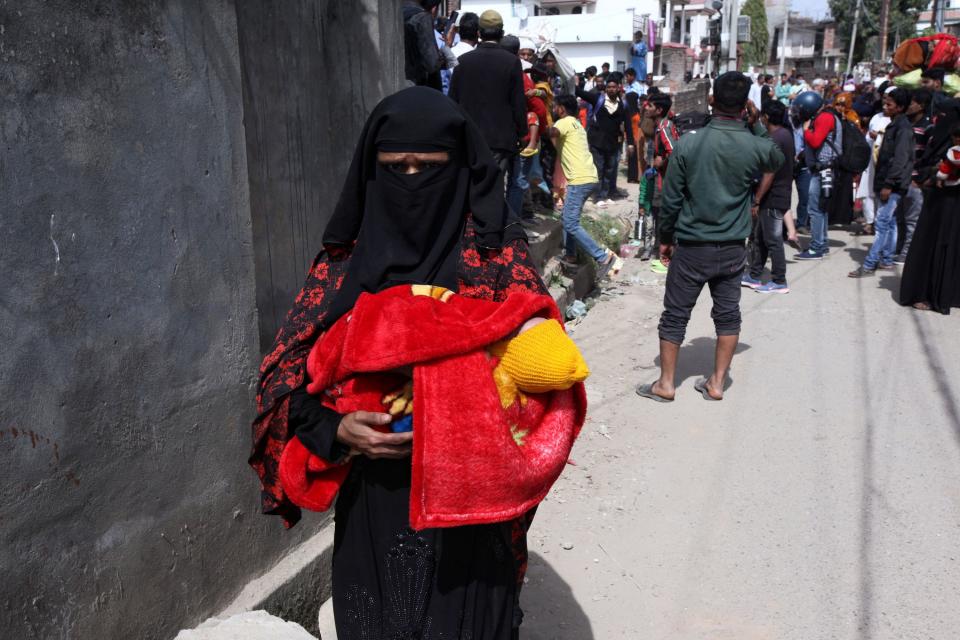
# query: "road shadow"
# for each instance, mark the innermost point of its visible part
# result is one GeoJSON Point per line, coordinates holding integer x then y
{"type": "Point", "coordinates": [550, 611]}
{"type": "Point", "coordinates": [891, 282]}
{"type": "Point", "coordinates": [857, 254]}
{"type": "Point", "coordinates": [696, 359]}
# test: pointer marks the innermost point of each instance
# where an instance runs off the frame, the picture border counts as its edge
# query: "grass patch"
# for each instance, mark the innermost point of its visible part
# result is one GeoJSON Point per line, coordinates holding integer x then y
{"type": "Point", "coordinates": [604, 230]}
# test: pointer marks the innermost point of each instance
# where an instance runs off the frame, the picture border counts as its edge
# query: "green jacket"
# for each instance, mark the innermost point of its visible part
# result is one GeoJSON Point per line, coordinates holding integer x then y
{"type": "Point", "coordinates": [708, 189]}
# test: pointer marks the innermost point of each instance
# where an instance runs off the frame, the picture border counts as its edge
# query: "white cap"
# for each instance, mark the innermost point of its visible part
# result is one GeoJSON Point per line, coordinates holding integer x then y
{"type": "Point", "coordinates": [527, 43]}
{"type": "Point", "coordinates": [849, 87]}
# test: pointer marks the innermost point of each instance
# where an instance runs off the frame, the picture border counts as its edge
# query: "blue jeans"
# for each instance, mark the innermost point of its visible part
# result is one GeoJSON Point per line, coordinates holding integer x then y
{"type": "Point", "coordinates": [818, 217]}
{"type": "Point", "coordinates": [573, 233]}
{"type": "Point", "coordinates": [530, 170]}
{"type": "Point", "coordinates": [884, 245]}
{"type": "Point", "coordinates": [803, 188]}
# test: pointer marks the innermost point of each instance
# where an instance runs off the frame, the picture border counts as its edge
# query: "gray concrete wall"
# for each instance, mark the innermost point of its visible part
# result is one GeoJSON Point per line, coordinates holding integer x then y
{"type": "Point", "coordinates": [128, 323]}
{"type": "Point", "coordinates": [312, 71]}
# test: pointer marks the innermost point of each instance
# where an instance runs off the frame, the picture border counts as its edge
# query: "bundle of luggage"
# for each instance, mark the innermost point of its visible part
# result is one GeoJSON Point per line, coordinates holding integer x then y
{"type": "Point", "coordinates": [939, 51]}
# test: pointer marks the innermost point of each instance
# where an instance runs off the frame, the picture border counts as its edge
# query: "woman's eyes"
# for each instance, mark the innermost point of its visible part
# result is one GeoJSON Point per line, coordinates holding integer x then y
{"type": "Point", "coordinates": [403, 167]}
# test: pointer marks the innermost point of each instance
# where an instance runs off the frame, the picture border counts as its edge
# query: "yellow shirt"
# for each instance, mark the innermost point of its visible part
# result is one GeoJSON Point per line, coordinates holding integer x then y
{"type": "Point", "coordinates": [574, 152]}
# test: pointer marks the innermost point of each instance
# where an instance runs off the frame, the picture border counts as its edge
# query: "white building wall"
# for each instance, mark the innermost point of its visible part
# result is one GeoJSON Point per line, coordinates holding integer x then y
{"type": "Point", "coordinates": [603, 35]}
{"type": "Point", "coordinates": [583, 54]}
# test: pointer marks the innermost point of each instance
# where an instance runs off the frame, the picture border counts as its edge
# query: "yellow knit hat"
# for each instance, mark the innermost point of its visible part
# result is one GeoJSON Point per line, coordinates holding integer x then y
{"type": "Point", "coordinates": [541, 359]}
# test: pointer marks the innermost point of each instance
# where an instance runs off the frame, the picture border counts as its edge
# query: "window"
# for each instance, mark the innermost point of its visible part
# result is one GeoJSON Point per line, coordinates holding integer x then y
{"type": "Point", "coordinates": [576, 10]}
{"type": "Point", "coordinates": [553, 11]}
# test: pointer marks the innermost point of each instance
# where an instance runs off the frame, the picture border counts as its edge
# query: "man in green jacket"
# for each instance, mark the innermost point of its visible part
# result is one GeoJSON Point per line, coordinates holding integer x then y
{"type": "Point", "coordinates": [705, 218]}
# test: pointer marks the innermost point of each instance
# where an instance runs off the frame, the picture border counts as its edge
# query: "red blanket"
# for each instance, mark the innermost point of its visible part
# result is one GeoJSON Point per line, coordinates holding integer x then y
{"type": "Point", "coordinates": [473, 461]}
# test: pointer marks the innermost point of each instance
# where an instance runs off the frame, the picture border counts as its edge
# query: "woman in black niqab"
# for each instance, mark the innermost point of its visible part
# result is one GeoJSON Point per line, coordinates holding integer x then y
{"type": "Point", "coordinates": [445, 225]}
{"type": "Point", "coordinates": [408, 228]}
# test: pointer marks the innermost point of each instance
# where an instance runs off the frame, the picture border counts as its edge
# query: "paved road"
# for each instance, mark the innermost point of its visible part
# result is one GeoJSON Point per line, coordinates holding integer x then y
{"type": "Point", "coordinates": [819, 500]}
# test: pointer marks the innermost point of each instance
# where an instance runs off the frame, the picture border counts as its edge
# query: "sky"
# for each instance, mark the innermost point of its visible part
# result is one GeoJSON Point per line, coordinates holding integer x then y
{"type": "Point", "coordinates": [810, 8]}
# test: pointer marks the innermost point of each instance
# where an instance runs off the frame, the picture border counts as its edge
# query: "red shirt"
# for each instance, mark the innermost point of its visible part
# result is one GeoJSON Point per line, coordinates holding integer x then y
{"type": "Point", "coordinates": [535, 105]}
{"type": "Point", "coordinates": [822, 126]}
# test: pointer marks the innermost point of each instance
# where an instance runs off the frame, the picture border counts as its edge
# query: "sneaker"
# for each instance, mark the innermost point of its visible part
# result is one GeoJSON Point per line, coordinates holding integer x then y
{"type": "Point", "coordinates": [900, 259]}
{"type": "Point", "coordinates": [609, 202]}
{"type": "Point", "coordinates": [602, 203]}
{"type": "Point", "coordinates": [773, 287]}
{"type": "Point", "coordinates": [752, 283]}
{"type": "Point", "coordinates": [809, 255]}
{"type": "Point", "coordinates": [886, 267]}
{"type": "Point", "coordinates": [860, 272]}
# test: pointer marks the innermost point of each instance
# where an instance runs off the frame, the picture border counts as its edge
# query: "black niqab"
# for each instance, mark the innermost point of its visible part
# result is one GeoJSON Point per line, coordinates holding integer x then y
{"type": "Point", "coordinates": [407, 229]}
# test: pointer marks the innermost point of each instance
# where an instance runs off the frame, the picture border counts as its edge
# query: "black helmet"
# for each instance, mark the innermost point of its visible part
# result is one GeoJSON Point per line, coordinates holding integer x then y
{"type": "Point", "coordinates": [807, 104]}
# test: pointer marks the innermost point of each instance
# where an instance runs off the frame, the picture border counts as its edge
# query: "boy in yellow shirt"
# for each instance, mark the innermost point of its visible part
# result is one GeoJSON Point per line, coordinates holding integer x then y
{"type": "Point", "coordinates": [570, 138]}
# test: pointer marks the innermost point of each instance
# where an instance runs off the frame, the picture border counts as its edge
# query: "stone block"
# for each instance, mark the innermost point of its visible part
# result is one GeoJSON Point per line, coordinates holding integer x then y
{"type": "Point", "coordinates": [251, 625]}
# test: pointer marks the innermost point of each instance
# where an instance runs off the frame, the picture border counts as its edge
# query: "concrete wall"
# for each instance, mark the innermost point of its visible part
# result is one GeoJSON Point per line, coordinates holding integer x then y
{"type": "Point", "coordinates": [312, 71]}
{"type": "Point", "coordinates": [583, 54]}
{"type": "Point", "coordinates": [128, 322]}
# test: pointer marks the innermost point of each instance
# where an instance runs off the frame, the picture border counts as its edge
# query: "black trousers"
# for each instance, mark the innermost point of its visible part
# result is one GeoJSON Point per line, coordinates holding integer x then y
{"type": "Point", "coordinates": [717, 265]}
{"type": "Point", "coordinates": [768, 240]}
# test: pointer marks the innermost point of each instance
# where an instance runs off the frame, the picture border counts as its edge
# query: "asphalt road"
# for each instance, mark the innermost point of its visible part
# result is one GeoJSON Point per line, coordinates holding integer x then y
{"type": "Point", "coordinates": [819, 500]}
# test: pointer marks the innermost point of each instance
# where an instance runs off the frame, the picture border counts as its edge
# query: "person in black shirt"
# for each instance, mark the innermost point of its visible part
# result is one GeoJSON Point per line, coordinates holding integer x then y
{"type": "Point", "coordinates": [606, 131]}
{"type": "Point", "coordinates": [488, 85]}
{"type": "Point", "coordinates": [770, 207]}
{"type": "Point", "coordinates": [422, 59]}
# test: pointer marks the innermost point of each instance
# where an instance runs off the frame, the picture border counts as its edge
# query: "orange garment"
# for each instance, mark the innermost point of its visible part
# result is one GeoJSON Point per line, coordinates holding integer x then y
{"type": "Point", "coordinates": [843, 103]}
{"type": "Point", "coordinates": [639, 143]}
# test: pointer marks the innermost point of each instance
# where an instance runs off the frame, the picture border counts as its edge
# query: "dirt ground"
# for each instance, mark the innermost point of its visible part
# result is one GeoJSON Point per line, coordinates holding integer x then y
{"type": "Point", "coordinates": [819, 500]}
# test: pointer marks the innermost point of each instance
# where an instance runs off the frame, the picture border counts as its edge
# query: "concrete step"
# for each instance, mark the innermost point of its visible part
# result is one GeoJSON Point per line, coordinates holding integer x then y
{"type": "Point", "coordinates": [250, 625]}
{"type": "Point", "coordinates": [545, 237]}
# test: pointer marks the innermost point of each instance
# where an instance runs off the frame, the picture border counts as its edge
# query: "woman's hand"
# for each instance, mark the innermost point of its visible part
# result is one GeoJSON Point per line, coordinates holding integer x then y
{"type": "Point", "coordinates": [357, 431]}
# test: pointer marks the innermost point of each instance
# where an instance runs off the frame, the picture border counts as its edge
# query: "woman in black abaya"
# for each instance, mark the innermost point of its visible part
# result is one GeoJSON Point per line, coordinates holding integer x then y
{"type": "Point", "coordinates": [421, 205]}
{"type": "Point", "coordinates": [931, 274]}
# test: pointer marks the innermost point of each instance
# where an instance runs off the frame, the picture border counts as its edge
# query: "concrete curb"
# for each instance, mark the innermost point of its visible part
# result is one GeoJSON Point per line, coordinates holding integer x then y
{"type": "Point", "coordinates": [295, 587]}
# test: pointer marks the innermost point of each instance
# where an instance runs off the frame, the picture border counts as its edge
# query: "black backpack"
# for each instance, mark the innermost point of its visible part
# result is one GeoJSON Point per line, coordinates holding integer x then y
{"type": "Point", "coordinates": [855, 155]}
{"type": "Point", "coordinates": [691, 121]}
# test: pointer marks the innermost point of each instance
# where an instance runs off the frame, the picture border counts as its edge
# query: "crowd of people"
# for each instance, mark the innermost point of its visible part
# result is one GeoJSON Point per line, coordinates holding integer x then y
{"type": "Point", "coordinates": [559, 141]}
{"type": "Point", "coordinates": [898, 194]}
{"type": "Point", "coordinates": [547, 162]}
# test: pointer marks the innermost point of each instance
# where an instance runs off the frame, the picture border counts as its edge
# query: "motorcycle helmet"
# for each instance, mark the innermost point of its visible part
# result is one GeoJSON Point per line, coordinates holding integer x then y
{"type": "Point", "coordinates": [807, 104]}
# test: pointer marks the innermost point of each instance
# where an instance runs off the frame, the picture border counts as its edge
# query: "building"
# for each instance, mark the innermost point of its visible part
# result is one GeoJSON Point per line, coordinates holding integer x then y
{"type": "Point", "coordinates": [951, 17]}
{"type": "Point", "coordinates": [587, 32]}
{"type": "Point", "coordinates": [689, 25]}
{"type": "Point", "coordinates": [811, 46]}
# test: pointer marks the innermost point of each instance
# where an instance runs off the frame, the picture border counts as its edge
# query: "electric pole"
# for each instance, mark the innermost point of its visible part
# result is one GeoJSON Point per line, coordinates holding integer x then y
{"type": "Point", "coordinates": [884, 29]}
{"type": "Point", "coordinates": [783, 39]}
{"type": "Point", "coordinates": [728, 37]}
{"type": "Point", "coordinates": [938, 15]}
{"type": "Point", "coordinates": [853, 36]}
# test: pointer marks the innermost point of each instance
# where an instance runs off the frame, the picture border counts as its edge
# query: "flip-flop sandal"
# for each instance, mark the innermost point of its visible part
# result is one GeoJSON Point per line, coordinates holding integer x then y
{"type": "Point", "coordinates": [610, 267]}
{"type": "Point", "coordinates": [701, 386]}
{"type": "Point", "coordinates": [646, 391]}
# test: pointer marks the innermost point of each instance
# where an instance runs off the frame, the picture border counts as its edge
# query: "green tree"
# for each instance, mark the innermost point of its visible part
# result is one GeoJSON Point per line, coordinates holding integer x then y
{"type": "Point", "coordinates": [756, 51]}
{"type": "Point", "coordinates": [902, 23]}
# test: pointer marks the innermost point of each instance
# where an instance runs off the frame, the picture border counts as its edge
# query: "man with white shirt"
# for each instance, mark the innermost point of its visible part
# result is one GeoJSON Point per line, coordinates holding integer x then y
{"type": "Point", "coordinates": [631, 84]}
{"type": "Point", "coordinates": [469, 30]}
{"type": "Point", "coordinates": [755, 96]}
